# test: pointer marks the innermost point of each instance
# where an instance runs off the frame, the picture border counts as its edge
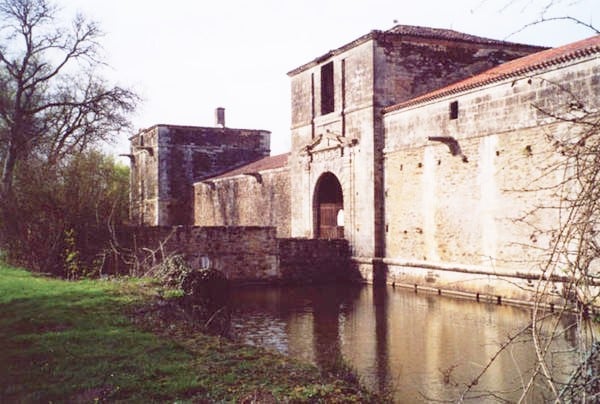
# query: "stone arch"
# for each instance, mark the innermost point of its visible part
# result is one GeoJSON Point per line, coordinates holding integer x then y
{"type": "Point", "coordinates": [328, 207]}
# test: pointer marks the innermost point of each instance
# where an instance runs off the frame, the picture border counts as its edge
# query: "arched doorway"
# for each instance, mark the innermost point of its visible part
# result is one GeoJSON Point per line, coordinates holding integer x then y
{"type": "Point", "coordinates": [329, 207]}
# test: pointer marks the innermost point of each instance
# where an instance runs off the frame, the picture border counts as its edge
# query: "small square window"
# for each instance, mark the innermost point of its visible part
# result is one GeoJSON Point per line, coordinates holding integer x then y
{"type": "Point", "coordinates": [454, 110]}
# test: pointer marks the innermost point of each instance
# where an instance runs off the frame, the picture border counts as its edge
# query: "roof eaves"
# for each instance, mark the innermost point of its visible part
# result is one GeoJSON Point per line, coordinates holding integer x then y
{"type": "Point", "coordinates": [279, 160]}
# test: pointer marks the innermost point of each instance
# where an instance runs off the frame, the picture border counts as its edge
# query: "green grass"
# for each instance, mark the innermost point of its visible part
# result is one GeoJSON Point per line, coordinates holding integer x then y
{"type": "Point", "coordinates": [76, 341]}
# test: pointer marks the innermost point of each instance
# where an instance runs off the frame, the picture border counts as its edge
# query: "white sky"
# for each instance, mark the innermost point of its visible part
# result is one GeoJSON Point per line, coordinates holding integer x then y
{"type": "Point", "coordinates": [185, 58]}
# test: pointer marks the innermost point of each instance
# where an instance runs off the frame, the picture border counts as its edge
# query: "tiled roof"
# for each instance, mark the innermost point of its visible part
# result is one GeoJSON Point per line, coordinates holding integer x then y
{"type": "Point", "coordinates": [514, 68]}
{"type": "Point", "coordinates": [448, 34]}
{"type": "Point", "coordinates": [266, 163]}
{"type": "Point", "coordinates": [415, 32]}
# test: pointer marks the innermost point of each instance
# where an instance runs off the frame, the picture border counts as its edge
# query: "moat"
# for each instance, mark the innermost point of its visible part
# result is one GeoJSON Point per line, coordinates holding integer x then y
{"type": "Point", "coordinates": [420, 346]}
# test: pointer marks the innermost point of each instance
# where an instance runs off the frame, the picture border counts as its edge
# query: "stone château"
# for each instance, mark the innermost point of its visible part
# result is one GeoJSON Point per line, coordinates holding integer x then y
{"type": "Point", "coordinates": [416, 145]}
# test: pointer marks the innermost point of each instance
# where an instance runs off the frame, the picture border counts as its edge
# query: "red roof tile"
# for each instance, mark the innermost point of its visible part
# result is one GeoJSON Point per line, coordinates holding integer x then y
{"type": "Point", "coordinates": [514, 68]}
{"type": "Point", "coordinates": [266, 163]}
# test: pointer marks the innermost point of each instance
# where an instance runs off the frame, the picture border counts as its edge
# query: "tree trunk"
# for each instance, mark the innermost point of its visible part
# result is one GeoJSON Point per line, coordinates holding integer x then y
{"type": "Point", "coordinates": [8, 216]}
{"type": "Point", "coordinates": [8, 171]}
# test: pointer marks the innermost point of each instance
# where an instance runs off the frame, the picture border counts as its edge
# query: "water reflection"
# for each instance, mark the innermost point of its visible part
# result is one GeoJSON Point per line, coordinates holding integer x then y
{"type": "Point", "coordinates": [418, 345]}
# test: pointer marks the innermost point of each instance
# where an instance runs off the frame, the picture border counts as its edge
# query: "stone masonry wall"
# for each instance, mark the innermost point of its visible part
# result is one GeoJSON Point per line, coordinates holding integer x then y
{"type": "Point", "coordinates": [353, 166]}
{"type": "Point", "coordinates": [407, 67]}
{"type": "Point", "coordinates": [241, 253]}
{"type": "Point", "coordinates": [143, 190]}
{"type": "Point", "coordinates": [247, 254]}
{"type": "Point", "coordinates": [377, 71]}
{"type": "Point", "coordinates": [312, 260]}
{"type": "Point", "coordinates": [169, 159]}
{"type": "Point", "coordinates": [412, 66]}
{"type": "Point", "coordinates": [245, 200]}
{"type": "Point", "coordinates": [484, 215]}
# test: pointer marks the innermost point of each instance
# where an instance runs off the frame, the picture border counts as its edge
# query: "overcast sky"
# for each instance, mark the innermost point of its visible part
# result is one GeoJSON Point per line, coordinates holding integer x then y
{"type": "Point", "coordinates": [185, 58]}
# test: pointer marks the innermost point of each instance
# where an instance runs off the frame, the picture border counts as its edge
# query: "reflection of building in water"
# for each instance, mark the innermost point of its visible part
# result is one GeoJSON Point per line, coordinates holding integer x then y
{"type": "Point", "coordinates": [261, 330]}
{"type": "Point", "coordinates": [415, 339]}
{"type": "Point", "coordinates": [300, 329]}
{"type": "Point", "coordinates": [397, 339]}
{"type": "Point", "coordinates": [359, 345]}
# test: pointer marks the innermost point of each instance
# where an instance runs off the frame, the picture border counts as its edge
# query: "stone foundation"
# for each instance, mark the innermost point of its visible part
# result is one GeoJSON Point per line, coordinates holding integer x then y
{"type": "Point", "coordinates": [471, 281]}
{"type": "Point", "coordinates": [315, 260]}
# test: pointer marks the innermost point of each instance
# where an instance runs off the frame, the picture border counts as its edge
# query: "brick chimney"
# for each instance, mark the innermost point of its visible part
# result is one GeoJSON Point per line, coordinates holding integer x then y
{"type": "Point", "coordinates": [220, 117]}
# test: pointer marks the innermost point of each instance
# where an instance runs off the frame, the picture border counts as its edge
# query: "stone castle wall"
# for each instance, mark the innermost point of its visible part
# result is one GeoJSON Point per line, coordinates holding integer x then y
{"type": "Point", "coordinates": [375, 72]}
{"type": "Point", "coordinates": [408, 67]}
{"type": "Point", "coordinates": [261, 199]}
{"type": "Point", "coordinates": [492, 215]}
{"type": "Point", "coordinates": [143, 189]}
{"type": "Point", "coordinates": [168, 159]}
{"type": "Point", "coordinates": [352, 118]}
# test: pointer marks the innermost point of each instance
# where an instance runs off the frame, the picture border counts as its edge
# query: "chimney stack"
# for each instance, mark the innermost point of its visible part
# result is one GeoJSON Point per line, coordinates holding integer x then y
{"type": "Point", "coordinates": [220, 117]}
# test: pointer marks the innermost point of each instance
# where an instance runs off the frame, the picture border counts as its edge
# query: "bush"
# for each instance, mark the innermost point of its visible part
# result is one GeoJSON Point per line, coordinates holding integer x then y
{"type": "Point", "coordinates": [208, 287]}
{"type": "Point", "coordinates": [171, 272]}
{"type": "Point", "coordinates": [61, 218]}
{"type": "Point", "coordinates": [205, 296]}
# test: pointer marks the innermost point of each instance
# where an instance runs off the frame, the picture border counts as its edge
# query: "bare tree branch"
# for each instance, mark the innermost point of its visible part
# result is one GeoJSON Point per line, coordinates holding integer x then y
{"type": "Point", "coordinates": [43, 105]}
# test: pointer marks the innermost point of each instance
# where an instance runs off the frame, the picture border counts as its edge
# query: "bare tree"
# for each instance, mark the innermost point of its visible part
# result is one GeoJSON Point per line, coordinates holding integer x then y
{"type": "Point", "coordinates": [566, 295]}
{"type": "Point", "coordinates": [545, 11]}
{"type": "Point", "coordinates": [53, 102]}
{"type": "Point", "coordinates": [574, 253]}
{"type": "Point", "coordinates": [567, 292]}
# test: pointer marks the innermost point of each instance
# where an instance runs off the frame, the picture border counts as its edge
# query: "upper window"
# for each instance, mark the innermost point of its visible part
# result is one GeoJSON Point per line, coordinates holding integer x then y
{"type": "Point", "coordinates": [454, 110]}
{"type": "Point", "coordinates": [327, 93]}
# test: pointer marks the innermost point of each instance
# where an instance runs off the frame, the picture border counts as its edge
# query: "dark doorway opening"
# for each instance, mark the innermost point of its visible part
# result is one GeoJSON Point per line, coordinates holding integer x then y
{"type": "Point", "coordinates": [329, 208]}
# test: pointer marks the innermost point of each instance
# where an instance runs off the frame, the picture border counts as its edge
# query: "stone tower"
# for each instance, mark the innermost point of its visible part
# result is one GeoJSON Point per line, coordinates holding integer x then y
{"type": "Point", "coordinates": [167, 159]}
{"type": "Point", "coordinates": [337, 132]}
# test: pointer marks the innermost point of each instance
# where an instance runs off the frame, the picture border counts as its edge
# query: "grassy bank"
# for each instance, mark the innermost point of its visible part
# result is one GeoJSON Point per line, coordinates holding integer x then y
{"type": "Point", "coordinates": [83, 341]}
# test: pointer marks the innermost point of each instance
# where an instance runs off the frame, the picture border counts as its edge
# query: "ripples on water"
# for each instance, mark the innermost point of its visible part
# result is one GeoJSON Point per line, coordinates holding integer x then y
{"type": "Point", "coordinates": [412, 344]}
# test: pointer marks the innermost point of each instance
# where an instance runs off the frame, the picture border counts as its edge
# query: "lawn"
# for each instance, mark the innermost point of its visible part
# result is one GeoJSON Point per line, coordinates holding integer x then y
{"type": "Point", "coordinates": [82, 341]}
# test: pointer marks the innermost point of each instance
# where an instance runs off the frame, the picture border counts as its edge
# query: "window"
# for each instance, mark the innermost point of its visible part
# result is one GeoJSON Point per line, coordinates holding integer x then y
{"type": "Point", "coordinates": [327, 90]}
{"type": "Point", "coordinates": [454, 110]}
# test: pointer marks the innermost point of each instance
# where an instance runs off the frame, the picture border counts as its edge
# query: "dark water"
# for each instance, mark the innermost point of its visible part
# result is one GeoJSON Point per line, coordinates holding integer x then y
{"type": "Point", "coordinates": [418, 346]}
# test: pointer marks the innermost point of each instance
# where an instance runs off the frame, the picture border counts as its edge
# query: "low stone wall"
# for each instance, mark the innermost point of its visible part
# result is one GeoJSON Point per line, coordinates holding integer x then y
{"type": "Point", "coordinates": [247, 254]}
{"type": "Point", "coordinates": [241, 253]}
